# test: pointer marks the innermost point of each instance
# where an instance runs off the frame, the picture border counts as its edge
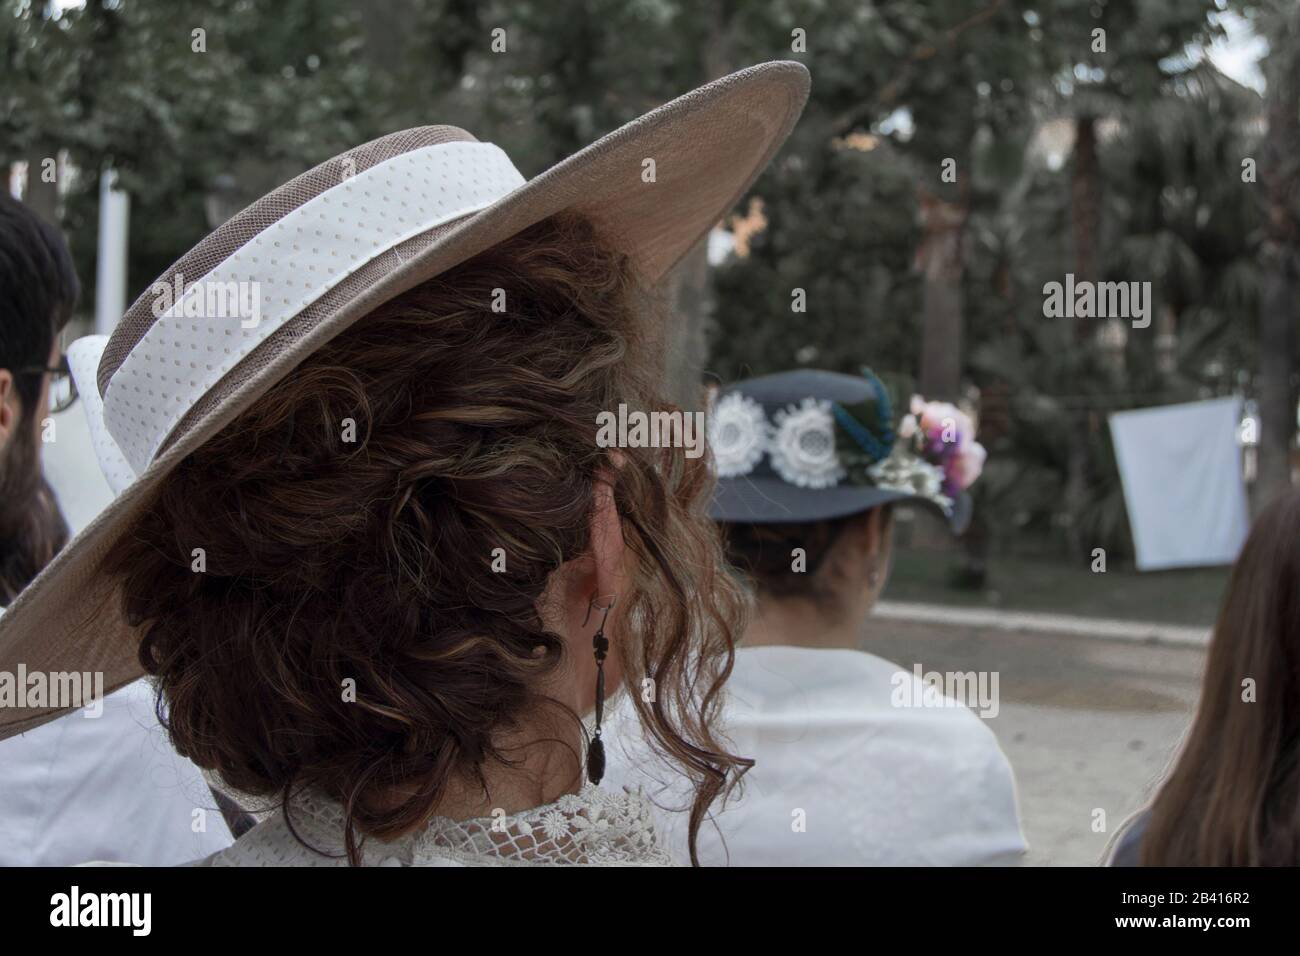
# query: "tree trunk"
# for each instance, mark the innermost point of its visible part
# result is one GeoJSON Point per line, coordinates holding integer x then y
{"type": "Point", "coordinates": [42, 197]}
{"type": "Point", "coordinates": [1085, 205]}
{"type": "Point", "coordinates": [687, 346]}
{"type": "Point", "coordinates": [689, 283]}
{"type": "Point", "coordinates": [386, 39]}
{"type": "Point", "coordinates": [1281, 262]}
{"type": "Point", "coordinates": [939, 258]}
{"type": "Point", "coordinates": [1276, 347]}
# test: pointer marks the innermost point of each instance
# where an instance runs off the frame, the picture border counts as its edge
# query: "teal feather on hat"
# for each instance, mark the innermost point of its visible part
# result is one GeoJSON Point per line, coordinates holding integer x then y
{"type": "Point", "coordinates": [865, 430]}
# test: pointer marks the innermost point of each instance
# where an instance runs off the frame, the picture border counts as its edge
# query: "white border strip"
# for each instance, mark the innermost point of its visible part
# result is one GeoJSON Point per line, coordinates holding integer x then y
{"type": "Point", "coordinates": [1135, 632]}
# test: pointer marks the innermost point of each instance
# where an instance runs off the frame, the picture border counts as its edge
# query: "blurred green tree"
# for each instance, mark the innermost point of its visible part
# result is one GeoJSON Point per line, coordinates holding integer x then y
{"type": "Point", "coordinates": [185, 100]}
{"type": "Point", "coordinates": [1120, 162]}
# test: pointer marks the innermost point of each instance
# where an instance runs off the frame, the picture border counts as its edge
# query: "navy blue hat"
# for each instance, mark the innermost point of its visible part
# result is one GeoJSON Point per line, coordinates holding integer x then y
{"type": "Point", "coordinates": [809, 445]}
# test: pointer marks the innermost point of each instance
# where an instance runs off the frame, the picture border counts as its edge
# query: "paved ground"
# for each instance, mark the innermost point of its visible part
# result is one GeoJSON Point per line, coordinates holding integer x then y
{"type": "Point", "coordinates": [1087, 724]}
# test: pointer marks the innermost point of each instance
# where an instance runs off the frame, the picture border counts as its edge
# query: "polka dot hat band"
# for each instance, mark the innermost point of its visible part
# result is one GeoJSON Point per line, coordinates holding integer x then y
{"type": "Point", "coordinates": [219, 319]}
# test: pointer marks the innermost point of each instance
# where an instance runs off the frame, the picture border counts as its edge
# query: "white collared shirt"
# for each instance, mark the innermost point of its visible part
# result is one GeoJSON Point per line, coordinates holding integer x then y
{"type": "Point", "coordinates": [107, 788]}
{"type": "Point", "coordinates": [842, 775]}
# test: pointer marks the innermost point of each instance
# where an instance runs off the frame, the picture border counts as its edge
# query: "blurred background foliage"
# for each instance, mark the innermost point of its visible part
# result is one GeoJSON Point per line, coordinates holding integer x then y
{"type": "Point", "coordinates": [1122, 163]}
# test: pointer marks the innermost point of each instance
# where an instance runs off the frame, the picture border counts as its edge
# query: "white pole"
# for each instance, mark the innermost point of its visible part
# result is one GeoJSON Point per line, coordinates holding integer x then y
{"type": "Point", "coordinates": [110, 278]}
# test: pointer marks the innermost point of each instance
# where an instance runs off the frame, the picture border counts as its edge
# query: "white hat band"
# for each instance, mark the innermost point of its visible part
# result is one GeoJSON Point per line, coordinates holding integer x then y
{"type": "Point", "coordinates": [202, 334]}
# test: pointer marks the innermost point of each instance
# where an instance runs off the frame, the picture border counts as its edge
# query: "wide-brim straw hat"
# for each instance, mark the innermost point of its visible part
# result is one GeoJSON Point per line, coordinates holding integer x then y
{"type": "Point", "coordinates": [327, 248]}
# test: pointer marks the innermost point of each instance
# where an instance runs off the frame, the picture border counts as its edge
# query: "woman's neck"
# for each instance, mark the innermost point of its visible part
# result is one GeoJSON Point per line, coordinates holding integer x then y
{"type": "Point", "coordinates": [801, 623]}
{"type": "Point", "coordinates": [542, 765]}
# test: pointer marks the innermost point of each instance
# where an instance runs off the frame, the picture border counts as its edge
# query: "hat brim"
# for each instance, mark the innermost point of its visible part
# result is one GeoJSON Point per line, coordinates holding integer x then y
{"type": "Point", "coordinates": [708, 146]}
{"type": "Point", "coordinates": [769, 500]}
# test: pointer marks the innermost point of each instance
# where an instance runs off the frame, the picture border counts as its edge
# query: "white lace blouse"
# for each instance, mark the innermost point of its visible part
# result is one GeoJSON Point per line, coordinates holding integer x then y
{"type": "Point", "coordinates": [592, 827]}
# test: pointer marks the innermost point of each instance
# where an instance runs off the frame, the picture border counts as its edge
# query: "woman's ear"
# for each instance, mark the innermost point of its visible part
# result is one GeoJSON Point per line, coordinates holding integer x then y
{"type": "Point", "coordinates": [877, 530]}
{"type": "Point", "coordinates": [867, 541]}
{"type": "Point", "coordinates": [881, 534]}
{"type": "Point", "coordinates": [608, 549]}
{"type": "Point", "coordinates": [600, 574]}
{"type": "Point", "coordinates": [591, 583]}
{"type": "Point", "coordinates": [862, 536]}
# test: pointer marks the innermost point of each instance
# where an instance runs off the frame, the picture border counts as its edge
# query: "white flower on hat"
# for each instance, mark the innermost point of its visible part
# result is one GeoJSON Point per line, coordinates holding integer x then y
{"type": "Point", "coordinates": [907, 473]}
{"type": "Point", "coordinates": [803, 447]}
{"type": "Point", "coordinates": [738, 434]}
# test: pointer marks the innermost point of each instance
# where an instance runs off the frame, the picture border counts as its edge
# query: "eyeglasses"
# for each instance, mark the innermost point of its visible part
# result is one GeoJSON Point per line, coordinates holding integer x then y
{"type": "Point", "coordinates": [63, 388]}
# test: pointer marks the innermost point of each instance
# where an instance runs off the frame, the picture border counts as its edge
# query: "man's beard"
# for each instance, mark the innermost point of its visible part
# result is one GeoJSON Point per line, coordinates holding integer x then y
{"type": "Point", "coordinates": [32, 529]}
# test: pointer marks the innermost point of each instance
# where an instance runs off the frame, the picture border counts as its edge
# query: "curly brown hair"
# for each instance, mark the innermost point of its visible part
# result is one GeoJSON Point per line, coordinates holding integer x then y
{"type": "Point", "coordinates": [475, 430]}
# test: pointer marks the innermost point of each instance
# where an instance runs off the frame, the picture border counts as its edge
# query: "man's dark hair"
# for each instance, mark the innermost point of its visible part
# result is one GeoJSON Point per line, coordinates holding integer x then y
{"type": "Point", "coordinates": [38, 291]}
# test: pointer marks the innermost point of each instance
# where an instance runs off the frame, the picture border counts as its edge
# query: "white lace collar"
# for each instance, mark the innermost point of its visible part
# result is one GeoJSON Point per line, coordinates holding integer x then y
{"type": "Point", "coordinates": [591, 827]}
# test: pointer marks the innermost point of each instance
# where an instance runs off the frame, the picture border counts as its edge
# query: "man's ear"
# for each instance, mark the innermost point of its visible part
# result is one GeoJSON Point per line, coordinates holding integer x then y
{"type": "Point", "coordinates": [10, 412]}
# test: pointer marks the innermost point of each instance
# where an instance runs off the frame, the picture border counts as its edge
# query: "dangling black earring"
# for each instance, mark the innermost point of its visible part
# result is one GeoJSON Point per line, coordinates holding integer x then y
{"type": "Point", "coordinates": [600, 645]}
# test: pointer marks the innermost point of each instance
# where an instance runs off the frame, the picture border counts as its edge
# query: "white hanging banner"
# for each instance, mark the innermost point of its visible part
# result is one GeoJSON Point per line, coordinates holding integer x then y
{"type": "Point", "coordinates": [1183, 487]}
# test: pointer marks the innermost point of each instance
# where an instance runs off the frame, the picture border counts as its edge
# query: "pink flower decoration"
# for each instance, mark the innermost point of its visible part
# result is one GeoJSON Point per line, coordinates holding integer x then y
{"type": "Point", "coordinates": [969, 465]}
{"type": "Point", "coordinates": [945, 436]}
